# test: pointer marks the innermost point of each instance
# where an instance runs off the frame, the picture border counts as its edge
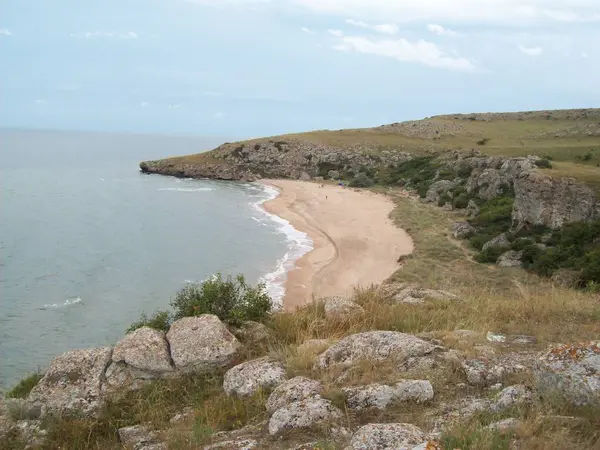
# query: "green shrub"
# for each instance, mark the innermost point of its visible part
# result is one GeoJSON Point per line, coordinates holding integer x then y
{"type": "Point", "coordinates": [444, 198]}
{"type": "Point", "coordinates": [490, 254]}
{"type": "Point", "coordinates": [161, 320]}
{"type": "Point", "coordinates": [461, 202]}
{"type": "Point", "coordinates": [495, 217]}
{"type": "Point", "coordinates": [230, 299]}
{"type": "Point", "coordinates": [361, 181]}
{"type": "Point", "coordinates": [24, 387]}
{"type": "Point", "coordinates": [520, 243]}
{"type": "Point", "coordinates": [544, 163]}
{"type": "Point", "coordinates": [464, 171]}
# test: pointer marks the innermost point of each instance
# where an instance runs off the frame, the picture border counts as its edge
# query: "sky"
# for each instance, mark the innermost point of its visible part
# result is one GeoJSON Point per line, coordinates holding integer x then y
{"type": "Point", "coordinates": [250, 68]}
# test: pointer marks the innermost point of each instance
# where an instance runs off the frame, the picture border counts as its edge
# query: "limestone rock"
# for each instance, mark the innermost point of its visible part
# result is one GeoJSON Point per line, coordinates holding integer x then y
{"type": "Point", "coordinates": [31, 433]}
{"type": "Point", "coordinates": [572, 371]}
{"type": "Point", "coordinates": [375, 346]}
{"type": "Point", "coordinates": [387, 436]}
{"type": "Point", "coordinates": [251, 332]}
{"type": "Point", "coordinates": [482, 373]}
{"type": "Point", "coordinates": [303, 414]}
{"type": "Point", "coordinates": [472, 209]}
{"type": "Point", "coordinates": [437, 189]}
{"type": "Point", "coordinates": [201, 344]}
{"type": "Point", "coordinates": [73, 381]}
{"type": "Point", "coordinates": [511, 396]}
{"type": "Point", "coordinates": [340, 307]}
{"type": "Point", "coordinates": [247, 378]}
{"type": "Point", "coordinates": [137, 436]}
{"type": "Point", "coordinates": [382, 396]}
{"type": "Point", "coordinates": [498, 241]}
{"type": "Point", "coordinates": [462, 230]}
{"type": "Point", "coordinates": [290, 391]}
{"type": "Point", "coordinates": [238, 444]}
{"type": "Point", "coordinates": [510, 258]}
{"type": "Point", "coordinates": [487, 183]}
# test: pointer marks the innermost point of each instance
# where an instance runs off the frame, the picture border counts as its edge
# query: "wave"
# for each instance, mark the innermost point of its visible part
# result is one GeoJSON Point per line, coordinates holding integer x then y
{"type": "Point", "coordinates": [204, 189]}
{"type": "Point", "coordinates": [299, 244]}
{"type": "Point", "coordinates": [68, 302]}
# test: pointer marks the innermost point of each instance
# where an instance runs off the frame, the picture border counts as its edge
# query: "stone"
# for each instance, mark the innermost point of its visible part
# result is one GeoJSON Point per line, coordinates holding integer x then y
{"type": "Point", "coordinates": [303, 414]}
{"type": "Point", "coordinates": [31, 433]}
{"type": "Point", "coordinates": [290, 391]}
{"type": "Point", "coordinates": [340, 307]}
{"type": "Point", "coordinates": [498, 241]}
{"type": "Point", "coordinates": [73, 381]}
{"type": "Point", "coordinates": [137, 436]}
{"type": "Point", "coordinates": [572, 371]}
{"type": "Point", "coordinates": [504, 426]}
{"type": "Point", "coordinates": [482, 373]}
{"type": "Point", "coordinates": [144, 349]}
{"type": "Point", "coordinates": [387, 436]}
{"type": "Point", "coordinates": [511, 396]}
{"type": "Point", "coordinates": [510, 258]}
{"type": "Point", "coordinates": [382, 396]}
{"type": "Point", "coordinates": [437, 189]}
{"type": "Point", "coordinates": [238, 444]}
{"type": "Point", "coordinates": [251, 332]}
{"type": "Point", "coordinates": [472, 209]}
{"type": "Point", "coordinates": [201, 344]}
{"type": "Point", "coordinates": [462, 230]}
{"type": "Point", "coordinates": [375, 346]}
{"type": "Point", "coordinates": [245, 379]}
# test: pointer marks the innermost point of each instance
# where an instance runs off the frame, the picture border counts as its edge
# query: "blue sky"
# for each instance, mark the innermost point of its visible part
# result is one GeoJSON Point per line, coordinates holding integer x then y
{"type": "Point", "coordinates": [261, 67]}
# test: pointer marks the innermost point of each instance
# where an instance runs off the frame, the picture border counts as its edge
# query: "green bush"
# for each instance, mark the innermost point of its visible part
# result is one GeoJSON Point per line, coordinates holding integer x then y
{"type": "Point", "coordinates": [25, 386]}
{"type": "Point", "coordinates": [520, 243]}
{"type": "Point", "coordinates": [444, 198]}
{"type": "Point", "coordinates": [544, 163]}
{"type": "Point", "coordinates": [490, 254]}
{"type": "Point", "coordinates": [161, 320]}
{"type": "Point", "coordinates": [461, 202]}
{"type": "Point", "coordinates": [361, 181]}
{"type": "Point", "coordinates": [495, 217]}
{"type": "Point", "coordinates": [230, 299]}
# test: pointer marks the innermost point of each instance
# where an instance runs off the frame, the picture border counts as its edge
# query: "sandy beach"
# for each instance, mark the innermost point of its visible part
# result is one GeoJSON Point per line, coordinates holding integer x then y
{"type": "Point", "coordinates": [355, 241]}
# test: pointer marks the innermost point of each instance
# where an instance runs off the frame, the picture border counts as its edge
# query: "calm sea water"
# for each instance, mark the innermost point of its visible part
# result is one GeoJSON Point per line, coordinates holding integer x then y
{"type": "Point", "coordinates": [88, 243]}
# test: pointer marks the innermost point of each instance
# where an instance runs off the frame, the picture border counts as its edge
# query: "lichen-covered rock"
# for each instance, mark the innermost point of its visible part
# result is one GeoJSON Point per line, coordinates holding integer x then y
{"type": "Point", "coordinates": [472, 209]}
{"type": "Point", "coordinates": [498, 241]}
{"type": "Point", "coordinates": [511, 396]}
{"type": "Point", "coordinates": [387, 436]}
{"type": "Point", "coordinates": [462, 230]}
{"type": "Point", "coordinates": [340, 307]}
{"type": "Point", "coordinates": [437, 189]}
{"type": "Point", "coordinates": [237, 444]}
{"type": "Point", "coordinates": [137, 436]}
{"type": "Point", "coordinates": [487, 183]}
{"type": "Point", "coordinates": [251, 332]}
{"type": "Point", "coordinates": [248, 378]}
{"type": "Point", "coordinates": [510, 258]}
{"type": "Point", "coordinates": [290, 391]}
{"type": "Point", "coordinates": [375, 346]}
{"type": "Point", "coordinates": [73, 381]}
{"type": "Point", "coordinates": [201, 344]}
{"type": "Point", "coordinates": [303, 414]}
{"type": "Point", "coordinates": [382, 396]}
{"type": "Point", "coordinates": [483, 373]}
{"type": "Point", "coordinates": [572, 371]}
{"type": "Point", "coordinates": [144, 349]}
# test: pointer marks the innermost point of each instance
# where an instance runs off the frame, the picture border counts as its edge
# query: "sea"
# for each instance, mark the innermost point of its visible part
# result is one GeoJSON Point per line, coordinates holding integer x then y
{"type": "Point", "coordinates": [88, 243]}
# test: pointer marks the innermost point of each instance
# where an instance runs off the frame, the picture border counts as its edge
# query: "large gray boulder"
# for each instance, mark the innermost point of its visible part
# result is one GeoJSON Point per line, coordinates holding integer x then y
{"type": "Point", "coordinates": [437, 189]}
{"type": "Point", "coordinates": [340, 307]}
{"type": "Point", "coordinates": [387, 436]}
{"type": "Point", "coordinates": [303, 414]}
{"type": "Point", "coordinates": [462, 230]}
{"type": "Point", "coordinates": [248, 378]}
{"type": "Point", "coordinates": [510, 258]}
{"type": "Point", "coordinates": [572, 371]}
{"type": "Point", "coordinates": [382, 396]}
{"type": "Point", "coordinates": [374, 346]}
{"type": "Point", "coordinates": [73, 381]}
{"type": "Point", "coordinates": [487, 183]}
{"type": "Point", "coordinates": [201, 344]}
{"type": "Point", "coordinates": [499, 241]}
{"type": "Point", "coordinates": [290, 391]}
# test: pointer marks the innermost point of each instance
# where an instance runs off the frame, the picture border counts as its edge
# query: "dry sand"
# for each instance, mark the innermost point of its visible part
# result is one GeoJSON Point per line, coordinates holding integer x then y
{"type": "Point", "coordinates": [355, 241]}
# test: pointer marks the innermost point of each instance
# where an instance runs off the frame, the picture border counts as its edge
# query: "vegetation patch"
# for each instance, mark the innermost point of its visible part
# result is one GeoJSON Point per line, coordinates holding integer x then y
{"type": "Point", "coordinates": [495, 218]}
{"type": "Point", "coordinates": [25, 386]}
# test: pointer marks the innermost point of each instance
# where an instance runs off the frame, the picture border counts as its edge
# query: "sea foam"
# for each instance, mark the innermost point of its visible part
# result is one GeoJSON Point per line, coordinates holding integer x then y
{"type": "Point", "coordinates": [67, 302]}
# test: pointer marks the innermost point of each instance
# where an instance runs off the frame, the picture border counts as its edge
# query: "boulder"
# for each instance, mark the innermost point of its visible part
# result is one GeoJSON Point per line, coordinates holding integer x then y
{"type": "Point", "coordinates": [510, 258]}
{"type": "Point", "coordinates": [375, 346]}
{"type": "Point", "coordinates": [237, 444]}
{"type": "Point", "coordinates": [553, 202]}
{"type": "Point", "coordinates": [137, 436]}
{"type": "Point", "coordinates": [73, 381]}
{"type": "Point", "coordinates": [462, 230]}
{"type": "Point", "coordinates": [201, 344]}
{"type": "Point", "coordinates": [290, 391]}
{"type": "Point", "coordinates": [511, 396]}
{"type": "Point", "coordinates": [483, 373]}
{"type": "Point", "coordinates": [472, 209]}
{"type": "Point", "coordinates": [437, 189]}
{"type": "Point", "coordinates": [487, 183]}
{"type": "Point", "coordinates": [572, 371]}
{"type": "Point", "coordinates": [382, 396]}
{"type": "Point", "coordinates": [246, 379]}
{"type": "Point", "coordinates": [387, 436]}
{"type": "Point", "coordinates": [417, 295]}
{"type": "Point", "coordinates": [498, 241]}
{"type": "Point", "coordinates": [251, 332]}
{"type": "Point", "coordinates": [145, 351]}
{"type": "Point", "coordinates": [340, 307]}
{"type": "Point", "coordinates": [303, 414]}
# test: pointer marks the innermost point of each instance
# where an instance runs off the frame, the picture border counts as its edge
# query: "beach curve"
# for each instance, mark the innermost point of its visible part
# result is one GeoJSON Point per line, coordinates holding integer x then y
{"type": "Point", "coordinates": [355, 243]}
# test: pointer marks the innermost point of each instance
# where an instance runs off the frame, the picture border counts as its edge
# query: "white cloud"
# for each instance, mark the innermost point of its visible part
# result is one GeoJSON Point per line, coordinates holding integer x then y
{"type": "Point", "coordinates": [308, 30]}
{"type": "Point", "coordinates": [219, 115]}
{"type": "Point", "coordinates": [106, 34]}
{"type": "Point", "coordinates": [383, 28]}
{"type": "Point", "coordinates": [337, 33]}
{"type": "Point", "coordinates": [420, 52]}
{"type": "Point", "coordinates": [531, 51]}
{"type": "Point", "coordinates": [144, 104]}
{"type": "Point", "coordinates": [176, 106]}
{"type": "Point", "coordinates": [5, 32]}
{"type": "Point", "coordinates": [440, 30]}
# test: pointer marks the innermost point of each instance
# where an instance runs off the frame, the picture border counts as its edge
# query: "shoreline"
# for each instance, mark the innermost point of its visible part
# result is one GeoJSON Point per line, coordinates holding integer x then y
{"type": "Point", "coordinates": [355, 242]}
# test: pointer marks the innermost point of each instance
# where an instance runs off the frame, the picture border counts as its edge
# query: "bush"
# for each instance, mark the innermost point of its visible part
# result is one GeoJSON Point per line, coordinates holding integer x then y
{"type": "Point", "coordinates": [161, 320]}
{"type": "Point", "coordinates": [544, 163]}
{"type": "Point", "coordinates": [361, 181]}
{"type": "Point", "coordinates": [461, 202]}
{"type": "Point", "coordinates": [444, 198]}
{"type": "Point", "coordinates": [490, 254]}
{"type": "Point", "coordinates": [232, 300]}
{"type": "Point", "coordinates": [495, 217]}
{"type": "Point", "coordinates": [25, 386]}
{"type": "Point", "coordinates": [483, 141]}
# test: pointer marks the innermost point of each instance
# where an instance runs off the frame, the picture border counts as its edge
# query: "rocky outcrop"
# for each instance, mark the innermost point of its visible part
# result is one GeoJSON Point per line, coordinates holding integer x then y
{"type": "Point", "coordinates": [437, 189]}
{"type": "Point", "coordinates": [572, 371]}
{"type": "Point", "coordinates": [462, 230]}
{"type": "Point", "coordinates": [290, 391]}
{"type": "Point", "coordinates": [498, 241]}
{"type": "Point", "coordinates": [201, 344]}
{"type": "Point", "coordinates": [388, 436]}
{"type": "Point", "coordinates": [303, 414]}
{"type": "Point", "coordinates": [382, 396]}
{"type": "Point", "coordinates": [248, 378]}
{"type": "Point", "coordinates": [375, 346]}
{"type": "Point", "coordinates": [553, 202]}
{"type": "Point", "coordinates": [510, 258]}
{"type": "Point", "coordinates": [73, 381]}
{"type": "Point", "coordinates": [140, 437]}
{"type": "Point", "coordinates": [340, 307]}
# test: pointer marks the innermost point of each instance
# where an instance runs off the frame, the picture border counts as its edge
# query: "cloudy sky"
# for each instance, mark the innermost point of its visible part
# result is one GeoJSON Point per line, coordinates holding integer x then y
{"type": "Point", "coordinates": [256, 67]}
